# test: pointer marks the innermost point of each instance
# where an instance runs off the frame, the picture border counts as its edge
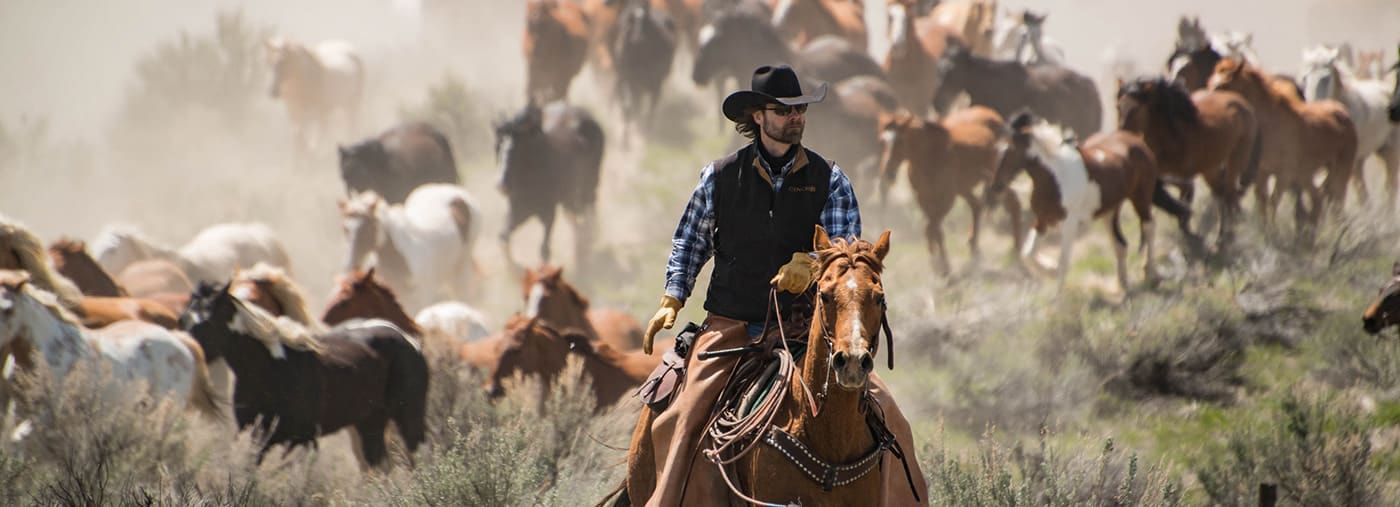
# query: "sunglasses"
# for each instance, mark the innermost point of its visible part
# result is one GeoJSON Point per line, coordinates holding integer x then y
{"type": "Point", "coordinates": [784, 110]}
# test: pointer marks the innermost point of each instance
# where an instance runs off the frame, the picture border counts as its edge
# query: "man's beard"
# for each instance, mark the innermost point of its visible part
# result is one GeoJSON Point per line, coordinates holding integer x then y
{"type": "Point", "coordinates": [786, 133]}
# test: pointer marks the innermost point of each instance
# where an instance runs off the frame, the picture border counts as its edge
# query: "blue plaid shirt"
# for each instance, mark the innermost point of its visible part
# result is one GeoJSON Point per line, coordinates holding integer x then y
{"type": "Point", "coordinates": [693, 244]}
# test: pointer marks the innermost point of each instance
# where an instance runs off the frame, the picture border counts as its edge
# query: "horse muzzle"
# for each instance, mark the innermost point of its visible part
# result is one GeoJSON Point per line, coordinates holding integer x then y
{"type": "Point", "coordinates": [1372, 324]}
{"type": "Point", "coordinates": [852, 370]}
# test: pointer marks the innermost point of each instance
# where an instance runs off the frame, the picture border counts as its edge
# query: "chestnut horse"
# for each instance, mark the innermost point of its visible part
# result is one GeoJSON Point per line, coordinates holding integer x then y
{"type": "Point", "coordinates": [559, 304]}
{"type": "Point", "coordinates": [315, 83]}
{"type": "Point", "coordinates": [1385, 310]}
{"type": "Point", "coordinates": [1299, 139]}
{"type": "Point", "coordinates": [530, 347]}
{"type": "Point", "coordinates": [70, 259]}
{"type": "Point", "coordinates": [947, 160]}
{"type": "Point", "coordinates": [801, 21]}
{"type": "Point", "coordinates": [360, 296]}
{"type": "Point", "coordinates": [1212, 134]}
{"type": "Point", "coordinates": [1074, 184]}
{"type": "Point", "coordinates": [916, 46]}
{"type": "Point", "coordinates": [556, 43]}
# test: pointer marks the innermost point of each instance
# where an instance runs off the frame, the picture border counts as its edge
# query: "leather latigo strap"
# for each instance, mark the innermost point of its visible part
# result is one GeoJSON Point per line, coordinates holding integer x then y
{"type": "Point", "coordinates": [826, 474]}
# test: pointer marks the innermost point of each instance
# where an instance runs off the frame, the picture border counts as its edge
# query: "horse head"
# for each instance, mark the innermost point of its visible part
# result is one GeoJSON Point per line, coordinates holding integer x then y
{"type": "Point", "coordinates": [361, 227]}
{"type": "Point", "coordinates": [1189, 34]}
{"type": "Point", "coordinates": [1239, 77]}
{"type": "Point", "coordinates": [288, 60]}
{"type": "Point", "coordinates": [549, 297]}
{"type": "Point", "coordinates": [1321, 72]}
{"type": "Point", "coordinates": [735, 43]}
{"type": "Point", "coordinates": [12, 289]}
{"type": "Point", "coordinates": [1385, 310]}
{"type": "Point", "coordinates": [360, 162]}
{"type": "Point", "coordinates": [1149, 99]}
{"type": "Point", "coordinates": [953, 75]}
{"type": "Point", "coordinates": [519, 140]}
{"type": "Point", "coordinates": [894, 131]}
{"type": "Point", "coordinates": [209, 316]}
{"type": "Point", "coordinates": [529, 348]}
{"type": "Point", "coordinates": [1017, 155]}
{"type": "Point", "coordinates": [850, 304]}
{"type": "Point", "coordinates": [359, 295]}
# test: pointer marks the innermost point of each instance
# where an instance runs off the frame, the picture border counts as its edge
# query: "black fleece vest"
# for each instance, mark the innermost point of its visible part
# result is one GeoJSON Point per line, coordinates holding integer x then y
{"type": "Point", "coordinates": [757, 230]}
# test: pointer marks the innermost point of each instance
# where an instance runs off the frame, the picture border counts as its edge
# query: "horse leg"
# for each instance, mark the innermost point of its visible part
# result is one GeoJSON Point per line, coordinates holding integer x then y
{"type": "Point", "coordinates": [1143, 208]}
{"type": "Point", "coordinates": [372, 445]}
{"type": "Point", "coordinates": [1120, 249]}
{"type": "Point", "coordinates": [1363, 196]}
{"type": "Point", "coordinates": [1390, 157]}
{"type": "Point", "coordinates": [975, 205]}
{"type": "Point", "coordinates": [933, 233]}
{"type": "Point", "coordinates": [1068, 232]}
{"type": "Point", "coordinates": [513, 220]}
{"type": "Point", "coordinates": [1013, 208]}
{"type": "Point", "coordinates": [547, 218]}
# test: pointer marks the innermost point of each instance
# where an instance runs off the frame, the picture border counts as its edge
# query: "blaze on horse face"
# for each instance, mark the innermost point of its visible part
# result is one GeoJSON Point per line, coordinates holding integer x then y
{"type": "Point", "coordinates": [852, 304]}
{"type": "Point", "coordinates": [1385, 310]}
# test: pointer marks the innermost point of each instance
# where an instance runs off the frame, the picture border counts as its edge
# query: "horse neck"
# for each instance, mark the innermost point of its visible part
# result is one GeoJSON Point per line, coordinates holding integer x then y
{"type": "Point", "coordinates": [102, 282]}
{"type": "Point", "coordinates": [396, 229]}
{"type": "Point", "coordinates": [392, 311]}
{"type": "Point", "coordinates": [838, 429]}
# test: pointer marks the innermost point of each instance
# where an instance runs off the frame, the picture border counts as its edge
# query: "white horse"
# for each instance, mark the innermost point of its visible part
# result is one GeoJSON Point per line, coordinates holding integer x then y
{"type": "Point", "coordinates": [1326, 76]}
{"type": "Point", "coordinates": [423, 247]}
{"type": "Point", "coordinates": [210, 257]}
{"type": "Point", "coordinates": [314, 83]}
{"type": "Point", "coordinates": [455, 320]}
{"type": "Point", "coordinates": [1235, 45]}
{"type": "Point", "coordinates": [1019, 36]}
{"type": "Point", "coordinates": [31, 321]}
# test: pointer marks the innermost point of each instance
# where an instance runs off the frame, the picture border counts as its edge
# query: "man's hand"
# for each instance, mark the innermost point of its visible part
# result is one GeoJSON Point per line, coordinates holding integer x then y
{"type": "Point", "coordinates": [665, 318]}
{"type": "Point", "coordinates": [796, 275]}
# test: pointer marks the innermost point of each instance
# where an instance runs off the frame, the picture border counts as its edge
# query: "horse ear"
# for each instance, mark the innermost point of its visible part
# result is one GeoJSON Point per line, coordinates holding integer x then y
{"type": "Point", "coordinates": [820, 241]}
{"type": "Point", "coordinates": [882, 245]}
{"type": "Point", "coordinates": [369, 273]}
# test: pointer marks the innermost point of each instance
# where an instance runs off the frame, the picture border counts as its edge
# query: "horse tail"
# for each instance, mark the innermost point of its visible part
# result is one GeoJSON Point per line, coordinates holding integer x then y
{"type": "Point", "coordinates": [407, 389]}
{"type": "Point", "coordinates": [203, 397]}
{"type": "Point", "coordinates": [616, 498]}
{"type": "Point", "coordinates": [1251, 168]}
{"type": "Point", "coordinates": [1163, 199]}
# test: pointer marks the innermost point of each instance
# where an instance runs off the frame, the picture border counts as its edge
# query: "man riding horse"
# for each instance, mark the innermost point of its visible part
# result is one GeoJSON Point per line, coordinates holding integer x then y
{"type": "Point", "coordinates": [755, 211]}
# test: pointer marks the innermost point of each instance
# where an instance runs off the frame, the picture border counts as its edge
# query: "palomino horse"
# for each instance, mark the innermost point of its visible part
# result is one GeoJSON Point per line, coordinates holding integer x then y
{"type": "Point", "coordinates": [271, 289]}
{"type": "Point", "coordinates": [70, 259]}
{"type": "Point", "coordinates": [211, 255]}
{"type": "Point", "coordinates": [422, 247]}
{"type": "Point", "coordinates": [1325, 76]}
{"type": "Point", "coordinates": [1056, 93]}
{"type": "Point", "coordinates": [947, 160]}
{"type": "Point", "coordinates": [297, 386]}
{"type": "Point", "coordinates": [529, 347]}
{"type": "Point", "coordinates": [32, 320]}
{"type": "Point", "coordinates": [550, 157]}
{"type": "Point", "coordinates": [559, 304]}
{"type": "Point", "coordinates": [1385, 310]}
{"type": "Point", "coordinates": [801, 21]}
{"type": "Point", "coordinates": [1213, 134]}
{"type": "Point", "coordinates": [1073, 184]}
{"type": "Point", "coordinates": [642, 55]}
{"type": "Point", "coordinates": [1299, 139]}
{"type": "Point", "coordinates": [556, 43]}
{"type": "Point", "coordinates": [916, 46]}
{"type": "Point", "coordinates": [1020, 37]}
{"type": "Point", "coordinates": [314, 83]}
{"type": "Point", "coordinates": [973, 20]}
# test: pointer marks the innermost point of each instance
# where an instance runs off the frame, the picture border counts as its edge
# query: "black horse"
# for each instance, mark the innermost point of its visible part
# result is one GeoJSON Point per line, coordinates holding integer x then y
{"type": "Point", "coordinates": [1058, 94]}
{"type": "Point", "coordinates": [297, 387]}
{"type": "Point", "coordinates": [397, 161]}
{"type": "Point", "coordinates": [550, 156]}
{"type": "Point", "coordinates": [642, 54]}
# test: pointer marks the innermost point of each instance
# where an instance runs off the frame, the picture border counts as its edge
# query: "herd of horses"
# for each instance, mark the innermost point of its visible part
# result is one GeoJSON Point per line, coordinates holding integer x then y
{"type": "Point", "coordinates": [968, 97]}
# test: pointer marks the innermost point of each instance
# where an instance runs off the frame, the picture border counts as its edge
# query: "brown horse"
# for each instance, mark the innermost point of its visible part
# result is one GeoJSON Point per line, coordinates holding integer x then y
{"type": "Point", "coordinates": [159, 280]}
{"type": "Point", "coordinates": [1213, 134]}
{"type": "Point", "coordinates": [270, 288]}
{"type": "Point", "coordinates": [360, 296]}
{"type": "Point", "coordinates": [1385, 310]}
{"type": "Point", "coordinates": [556, 43]}
{"type": "Point", "coordinates": [70, 259]}
{"type": "Point", "coordinates": [1057, 93]}
{"type": "Point", "coordinates": [801, 21]}
{"type": "Point", "coordinates": [559, 304]}
{"type": "Point", "coordinates": [1299, 138]}
{"type": "Point", "coordinates": [916, 46]}
{"type": "Point", "coordinates": [530, 347]}
{"type": "Point", "coordinates": [947, 160]}
{"type": "Point", "coordinates": [1074, 184]}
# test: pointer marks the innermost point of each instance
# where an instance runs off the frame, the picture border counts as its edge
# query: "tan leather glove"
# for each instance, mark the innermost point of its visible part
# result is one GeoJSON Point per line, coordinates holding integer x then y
{"type": "Point", "coordinates": [796, 275]}
{"type": "Point", "coordinates": [665, 318]}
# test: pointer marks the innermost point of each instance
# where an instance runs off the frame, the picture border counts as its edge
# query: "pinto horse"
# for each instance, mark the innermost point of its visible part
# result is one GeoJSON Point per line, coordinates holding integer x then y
{"type": "Point", "coordinates": [1073, 184]}
{"type": "Point", "coordinates": [1299, 138]}
{"type": "Point", "coordinates": [916, 46]}
{"type": "Point", "coordinates": [556, 44]}
{"type": "Point", "coordinates": [423, 247]}
{"type": "Point", "coordinates": [801, 21]}
{"type": "Point", "coordinates": [1385, 310]}
{"type": "Point", "coordinates": [1056, 93]}
{"type": "Point", "coordinates": [947, 160]}
{"type": "Point", "coordinates": [550, 157]}
{"type": "Point", "coordinates": [33, 321]}
{"type": "Point", "coordinates": [315, 83]}
{"type": "Point", "coordinates": [559, 304]}
{"type": "Point", "coordinates": [1213, 134]}
{"type": "Point", "coordinates": [1326, 76]}
{"type": "Point", "coordinates": [297, 386]}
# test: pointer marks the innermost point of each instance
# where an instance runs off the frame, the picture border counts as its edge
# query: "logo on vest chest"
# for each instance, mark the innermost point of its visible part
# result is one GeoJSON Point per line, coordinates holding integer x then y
{"type": "Point", "coordinates": [801, 188]}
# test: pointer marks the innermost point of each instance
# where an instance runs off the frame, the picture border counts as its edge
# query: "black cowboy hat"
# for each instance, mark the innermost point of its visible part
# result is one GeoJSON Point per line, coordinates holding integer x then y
{"type": "Point", "coordinates": [772, 84]}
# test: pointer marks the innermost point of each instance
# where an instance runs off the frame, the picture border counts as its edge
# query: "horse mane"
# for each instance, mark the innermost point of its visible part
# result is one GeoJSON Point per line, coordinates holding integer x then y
{"type": "Point", "coordinates": [1165, 98]}
{"type": "Point", "coordinates": [282, 289]}
{"type": "Point", "coordinates": [1280, 92]}
{"type": "Point", "coordinates": [68, 245]}
{"type": "Point", "coordinates": [48, 300]}
{"type": "Point", "coordinates": [855, 250]}
{"type": "Point", "coordinates": [274, 332]}
{"type": "Point", "coordinates": [32, 257]}
{"type": "Point", "coordinates": [367, 277]}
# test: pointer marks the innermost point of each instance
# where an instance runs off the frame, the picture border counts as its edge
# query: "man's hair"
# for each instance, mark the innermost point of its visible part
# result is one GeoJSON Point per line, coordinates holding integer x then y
{"type": "Point", "coordinates": [748, 128]}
